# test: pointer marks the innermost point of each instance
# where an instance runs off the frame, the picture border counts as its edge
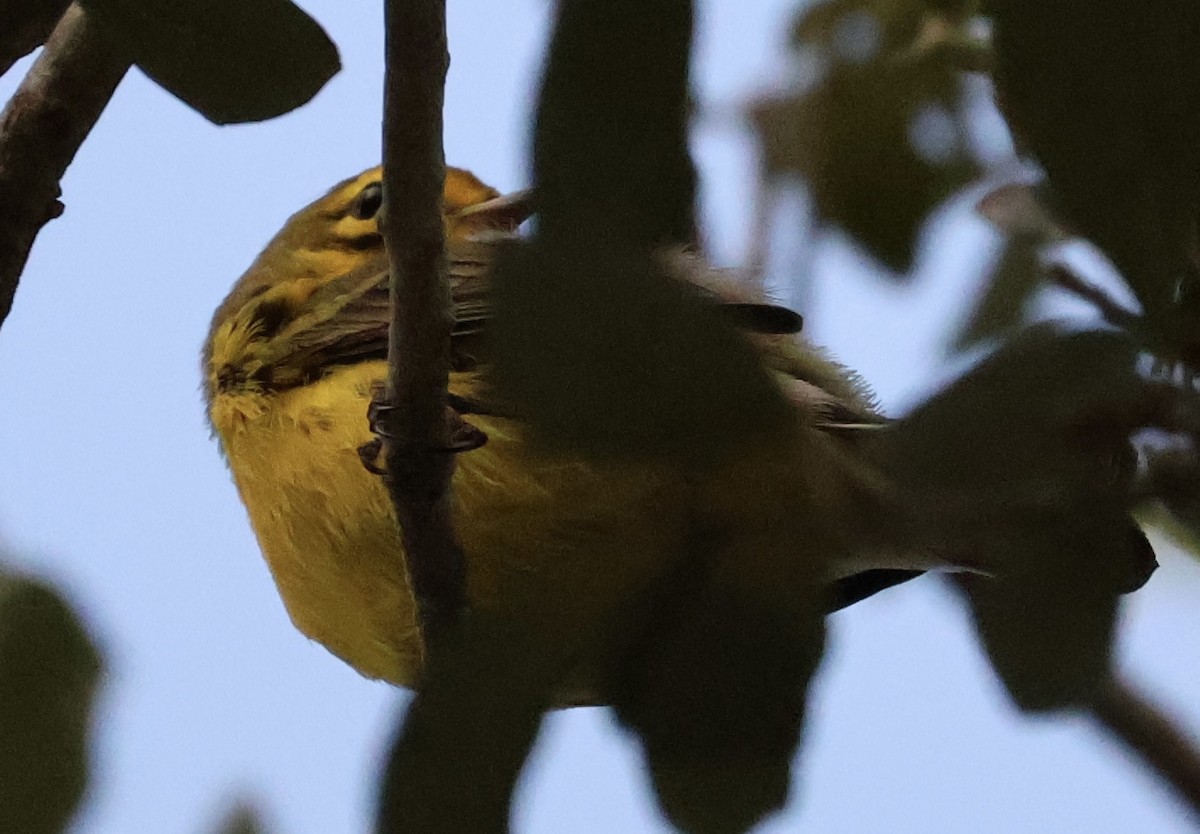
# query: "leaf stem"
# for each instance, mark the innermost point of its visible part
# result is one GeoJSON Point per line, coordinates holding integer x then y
{"type": "Point", "coordinates": [1153, 736]}
{"type": "Point", "coordinates": [419, 465]}
{"type": "Point", "coordinates": [1113, 312]}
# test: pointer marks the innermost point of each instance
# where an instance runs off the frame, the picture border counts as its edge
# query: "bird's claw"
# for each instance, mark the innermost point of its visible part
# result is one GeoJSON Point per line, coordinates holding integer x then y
{"type": "Point", "coordinates": [461, 436]}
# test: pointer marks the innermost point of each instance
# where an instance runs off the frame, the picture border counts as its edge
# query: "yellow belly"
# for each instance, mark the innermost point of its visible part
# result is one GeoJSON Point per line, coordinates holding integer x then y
{"type": "Point", "coordinates": [577, 537]}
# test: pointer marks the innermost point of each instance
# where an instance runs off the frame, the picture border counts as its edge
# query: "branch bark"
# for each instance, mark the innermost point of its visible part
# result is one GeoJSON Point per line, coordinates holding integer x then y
{"type": "Point", "coordinates": [419, 463]}
{"type": "Point", "coordinates": [41, 129]}
{"type": "Point", "coordinates": [1151, 735]}
{"type": "Point", "coordinates": [414, 797]}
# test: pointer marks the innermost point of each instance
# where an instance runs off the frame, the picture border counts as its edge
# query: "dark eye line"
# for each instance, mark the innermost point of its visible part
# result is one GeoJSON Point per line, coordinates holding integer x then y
{"type": "Point", "coordinates": [359, 243]}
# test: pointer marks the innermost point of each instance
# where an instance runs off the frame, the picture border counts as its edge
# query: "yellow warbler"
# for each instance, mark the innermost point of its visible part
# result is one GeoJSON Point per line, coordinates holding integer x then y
{"type": "Point", "coordinates": [290, 365]}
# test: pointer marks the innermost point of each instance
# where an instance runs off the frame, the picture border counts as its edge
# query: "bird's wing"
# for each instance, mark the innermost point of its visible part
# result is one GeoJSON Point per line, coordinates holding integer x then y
{"type": "Point", "coordinates": [300, 336]}
{"type": "Point", "coordinates": [345, 320]}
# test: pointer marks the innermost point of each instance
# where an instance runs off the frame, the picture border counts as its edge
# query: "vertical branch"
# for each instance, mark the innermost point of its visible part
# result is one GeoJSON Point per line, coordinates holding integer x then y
{"type": "Point", "coordinates": [41, 129]}
{"type": "Point", "coordinates": [419, 466]}
{"type": "Point", "coordinates": [454, 762]}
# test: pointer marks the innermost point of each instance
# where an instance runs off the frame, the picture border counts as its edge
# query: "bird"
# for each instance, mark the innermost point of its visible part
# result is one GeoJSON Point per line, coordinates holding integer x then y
{"type": "Point", "coordinates": [297, 350]}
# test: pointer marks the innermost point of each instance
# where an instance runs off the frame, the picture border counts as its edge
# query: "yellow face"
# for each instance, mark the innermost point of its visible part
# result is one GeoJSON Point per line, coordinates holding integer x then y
{"type": "Point", "coordinates": [345, 220]}
{"type": "Point", "coordinates": [340, 232]}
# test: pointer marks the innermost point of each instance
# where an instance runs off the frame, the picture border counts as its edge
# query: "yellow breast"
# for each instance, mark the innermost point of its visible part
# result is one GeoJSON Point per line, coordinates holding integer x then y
{"type": "Point", "coordinates": [578, 537]}
{"type": "Point", "coordinates": [325, 524]}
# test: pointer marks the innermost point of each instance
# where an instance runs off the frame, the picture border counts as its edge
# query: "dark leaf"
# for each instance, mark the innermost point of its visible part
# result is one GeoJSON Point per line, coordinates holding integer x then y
{"type": "Point", "coordinates": [715, 679]}
{"type": "Point", "coordinates": [1106, 96]}
{"type": "Point", "coordinates": [880, 145]}
{"type": "Point", "coordinates": [49, 670]}
{"type": "Point", "coordinates": [242, 819]}
{"type": "Point", "coordinates": [456, 758]}
{"type": "Point", "coordinates": [609, 356]}
{"type": "Point", "coordinates": [717, 696]}
{"type": "Point", "coordinates": [231, 60]}
{"type": "Point", "coordinates": [610, 149]}
{"type": "Point", "coordinates": [27, 24]}
{"type": "Point", "coordinates": [1023, 470]}
{"type": "Point", "coordinates": [1048, 629]}
{"type": "Point", "coordinates": [1045, 419]}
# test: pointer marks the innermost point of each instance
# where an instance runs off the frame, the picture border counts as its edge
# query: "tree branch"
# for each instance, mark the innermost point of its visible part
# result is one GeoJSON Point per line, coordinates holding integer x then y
{"type": "Point", "coordinates": [418, 461]}
{"type": "Point", "coordinates": [1152, 736]}
{"type": "Point", "coordinates": [41, 129]}
{"type": "Point", "coordinates": [419, 791]}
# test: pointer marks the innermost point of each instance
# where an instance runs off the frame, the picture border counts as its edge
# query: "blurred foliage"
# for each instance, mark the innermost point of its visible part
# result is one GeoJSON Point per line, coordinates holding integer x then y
{"type": "Point", "coordinates": [877, 134]}
{"type": "Point", "coordinates": [1022, 471]}
{"type": "Point", "coordinates": [455, 762]}
{"type": "Point", "coordinates": [230, 60]}
{"type": "Point", "coordinates": [1020, 210]}
{"type": "Point", "coordinates": [27, 24]}
{"type": "Point", "coordinates": [49, 672]}
{"type": "Point", "coordinates": [715, 683]}
{"type": "Point", "coordinates": [714, 677]}
{"type": "Point", "coordinates": [610, 155]}
{"type": "Point", "coordinates": [615, 181]}
{"type": "Point", "coordinates": [241, 819]}
{"type": "Point", "coordinates": [1016, 210]}
{"type": "Point", "coordinates": [1106, 96]}
{"type": "Point", "coordinates": [694, 388]}
{"type": "Point", "coordinates": [1024, 468]}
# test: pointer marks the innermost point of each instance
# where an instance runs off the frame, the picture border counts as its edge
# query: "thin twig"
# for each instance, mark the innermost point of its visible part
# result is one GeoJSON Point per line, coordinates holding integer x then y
{"type": "Point", "coordinates": [423, 789]}
{"type": "Point", "coordinates": [1153, 736]}
{"type": "Point", "coordinates": [419, 464]}
{"type": "Point", "coordinates": [41, 129]}
{"type": "Point", "coordinates": [1113, 312]}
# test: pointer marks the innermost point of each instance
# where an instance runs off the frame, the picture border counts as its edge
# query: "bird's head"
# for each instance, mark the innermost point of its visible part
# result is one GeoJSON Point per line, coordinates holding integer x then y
{"type": "Point", "coordinates": [339, 232]}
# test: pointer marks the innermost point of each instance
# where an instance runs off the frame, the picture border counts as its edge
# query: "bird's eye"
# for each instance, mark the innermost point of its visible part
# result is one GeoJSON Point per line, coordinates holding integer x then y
{"type": "Point", "coordinates": [368, 202]}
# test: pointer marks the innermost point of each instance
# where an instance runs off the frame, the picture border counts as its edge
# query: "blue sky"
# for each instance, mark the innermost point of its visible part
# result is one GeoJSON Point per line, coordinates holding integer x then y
{"type": "Point", "coordinates": [114, 489]}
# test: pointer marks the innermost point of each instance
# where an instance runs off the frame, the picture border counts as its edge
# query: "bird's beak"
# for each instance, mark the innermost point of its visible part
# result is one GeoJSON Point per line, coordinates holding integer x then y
{"type": "Point", "coordinates": [503, 213]}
